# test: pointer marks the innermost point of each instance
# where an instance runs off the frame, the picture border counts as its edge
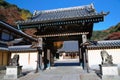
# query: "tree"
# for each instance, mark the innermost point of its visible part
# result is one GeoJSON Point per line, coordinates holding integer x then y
{"type": "Point", "coordinates": [25, 14]}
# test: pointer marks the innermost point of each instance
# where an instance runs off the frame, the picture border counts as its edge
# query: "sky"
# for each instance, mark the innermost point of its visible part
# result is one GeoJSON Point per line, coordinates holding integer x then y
{"type": "Point", "coordinates": [112, 6]}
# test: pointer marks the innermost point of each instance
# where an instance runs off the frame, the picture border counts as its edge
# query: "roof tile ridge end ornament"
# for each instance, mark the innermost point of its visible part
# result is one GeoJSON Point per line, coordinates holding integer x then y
{"type": "Point", "coordinates": [105, 13]}
{"type": "Point", "coordinates": [90, 8]}
{"type": "Point", "coordinates": [92, 5]}
{"type": "Point", "coordinates": [36, 13]}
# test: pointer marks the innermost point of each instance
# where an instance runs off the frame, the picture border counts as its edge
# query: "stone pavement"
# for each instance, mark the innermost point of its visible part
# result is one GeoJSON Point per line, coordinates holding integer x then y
{"type": "Point", "coordinates": [2, 73]}
{"type": "Point", "coordinates": [62, 72]}
{"type": "Point", "coordinates": [67, 70]}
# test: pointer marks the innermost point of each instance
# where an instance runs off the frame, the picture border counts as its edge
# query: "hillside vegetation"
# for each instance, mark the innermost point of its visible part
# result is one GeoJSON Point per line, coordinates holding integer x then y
{"type": "Point", "coordinates": [10, 13]}
{"type": "Point", "coordinates": [113, 33]}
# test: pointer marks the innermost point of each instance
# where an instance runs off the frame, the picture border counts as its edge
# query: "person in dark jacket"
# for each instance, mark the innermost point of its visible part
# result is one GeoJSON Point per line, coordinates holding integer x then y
{"type": "Point", "coordinates": [45, 62]}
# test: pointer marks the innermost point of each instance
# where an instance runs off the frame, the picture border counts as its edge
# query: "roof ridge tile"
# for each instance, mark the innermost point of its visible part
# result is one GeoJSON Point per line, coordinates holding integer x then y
{"type": "Point", "coordinates": [91, 6]}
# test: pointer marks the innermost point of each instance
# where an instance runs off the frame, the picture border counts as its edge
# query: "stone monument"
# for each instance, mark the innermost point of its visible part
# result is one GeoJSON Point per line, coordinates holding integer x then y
{"type": "Point", "coordinates": [13, 71]}
{"type": "Point", "coordinates": [107, 68]}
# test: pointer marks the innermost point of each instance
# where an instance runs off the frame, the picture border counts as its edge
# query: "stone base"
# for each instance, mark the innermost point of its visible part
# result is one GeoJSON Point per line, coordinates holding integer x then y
{"type": "Point", "coordinates": [109, 70]}
{"type": "Point", "coordinates": [110, 77]}
{"type": "Point", "coordinates": [13, 72]}
{"type": "Point", "coordinates": [11, 77]}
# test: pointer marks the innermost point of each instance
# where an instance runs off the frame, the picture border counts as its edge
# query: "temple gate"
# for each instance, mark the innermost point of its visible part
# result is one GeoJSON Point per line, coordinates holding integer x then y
{"type": "Point", "coordinates": [57, 25]}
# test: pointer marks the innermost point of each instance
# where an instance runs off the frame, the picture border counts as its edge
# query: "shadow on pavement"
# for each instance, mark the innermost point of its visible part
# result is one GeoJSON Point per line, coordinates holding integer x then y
{"type": "Point", "coordinates": [66, 64]}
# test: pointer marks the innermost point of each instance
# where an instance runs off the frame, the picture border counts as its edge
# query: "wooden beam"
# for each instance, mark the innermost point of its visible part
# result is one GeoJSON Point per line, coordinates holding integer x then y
{"type": "Point", "coordinates": [65, 34]}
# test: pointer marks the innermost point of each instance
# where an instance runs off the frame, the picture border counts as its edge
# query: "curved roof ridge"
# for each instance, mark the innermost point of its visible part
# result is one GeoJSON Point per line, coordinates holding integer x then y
{"type": "Point", "coordinates": [91, 6]}
{"type": "Point", "coordinates": [65, 14]}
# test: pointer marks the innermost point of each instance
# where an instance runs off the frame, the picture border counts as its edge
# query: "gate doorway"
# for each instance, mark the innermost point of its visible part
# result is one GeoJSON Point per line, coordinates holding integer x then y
{"type": "Point", "coordinates": [68, 54]}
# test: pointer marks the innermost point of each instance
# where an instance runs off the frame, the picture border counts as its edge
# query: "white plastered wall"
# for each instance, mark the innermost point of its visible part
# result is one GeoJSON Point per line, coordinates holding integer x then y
{"type": "Point", "coordinates": [94, 57]}
{"type": "Point", "coordinates": [27, 60]}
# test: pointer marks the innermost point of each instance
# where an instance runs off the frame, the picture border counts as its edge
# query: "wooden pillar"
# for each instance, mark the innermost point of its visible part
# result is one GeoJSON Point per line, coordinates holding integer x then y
{"type": "Point", "coordinates": [1, 58]}
{"type": "Point", "coordinates": [79, 52]}
{"type": "Point", "coordinates": [52, 52]}
{"type": "Point", "coordinates": [52, 57]}
{"type": "Point", "coordinates": [9, 57]}
{"type": "Point", "coordinates": [84, 39]}
{"type": "Point", "coordinates": [46, 57]}
{"type": "Point", "coordinates": [39, 47]}
{"type": "Point", "coordinates": [29, 58]}
{"type": "Point", "coordinates": [84, 58]}
{"type": "Point", "coordinates": [47, 53]}
{"type": "Point", "coordinates": [5, 58]}
{"type": "Point", "coordinates": [84, 50]}
{"type": "Point", "coordinates": [39, 60]}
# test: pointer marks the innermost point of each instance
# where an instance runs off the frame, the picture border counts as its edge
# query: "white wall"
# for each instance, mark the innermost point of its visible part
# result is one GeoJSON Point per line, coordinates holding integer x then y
{"type": "Point", "coordinates": [27, 60]}
{"type": "Point", "coordinates": [94, 57]}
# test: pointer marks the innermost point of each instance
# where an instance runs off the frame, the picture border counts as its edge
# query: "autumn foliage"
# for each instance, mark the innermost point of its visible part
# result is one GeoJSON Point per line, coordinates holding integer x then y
{"type": "Point", "coordinates": [112, 33]}
{"type": "Point", "coordinates": [114, 36]}
{"type": "Point", "coordinates": [11, 13]}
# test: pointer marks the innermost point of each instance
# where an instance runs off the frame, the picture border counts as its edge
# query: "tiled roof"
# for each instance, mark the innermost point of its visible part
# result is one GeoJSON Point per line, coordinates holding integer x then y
{"type": "Point", "coordinates": [18, 32]}
{"type": "Point", "coordinates": [105, 44]}
{"type": "Point", "coordinates": [63, 14]}
{"type": "Point", "coordinates": [69, 46]}
{"type": "Point", "coordinates": [4, 49]}
{"type": "Point", "coordinates": [24, 48]}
